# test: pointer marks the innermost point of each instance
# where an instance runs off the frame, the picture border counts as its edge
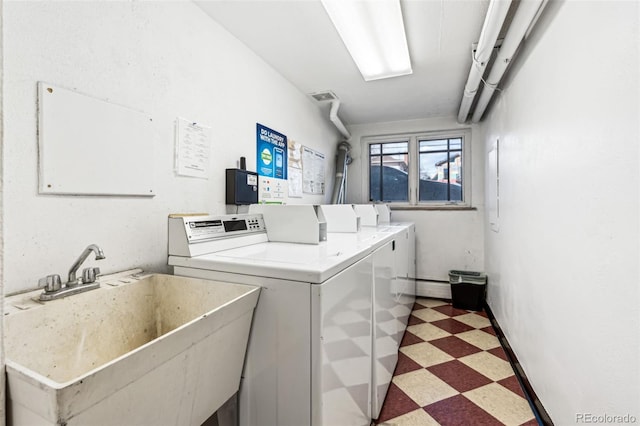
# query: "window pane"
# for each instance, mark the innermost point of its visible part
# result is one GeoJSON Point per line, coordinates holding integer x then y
{"type": "Point", "coordinates": [398, 162]}
{"type": "Point", "coordinates": [455, 143]}
{"type": "Point", "coordinates": [375, 188]}
{"type": "Point", "coordinates": [455, 167]}
{"type": "Point", "coordinates": [435, 145]}
{"type": "Point", "coordinates": [440, 177]}
{"type": "Point", "coordinates": [455, 176]}
{"type": "Point", "coordinates": [388, 173]}
{"type": "Point", "coordinates": [374, 149]}
{"type": "Point", "coordinates": [395, 148]}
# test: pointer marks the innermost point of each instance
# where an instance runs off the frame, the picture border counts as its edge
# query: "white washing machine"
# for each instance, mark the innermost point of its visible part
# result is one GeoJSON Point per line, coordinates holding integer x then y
{"type": "Point", "coordinates": [309, 359]}
{"type": "Point", "coordinates": [393, 297]}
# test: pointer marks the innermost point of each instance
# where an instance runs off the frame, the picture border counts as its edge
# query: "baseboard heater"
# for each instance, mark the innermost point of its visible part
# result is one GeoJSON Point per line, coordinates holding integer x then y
{"type": "Point", "coordinates": [434, 289]}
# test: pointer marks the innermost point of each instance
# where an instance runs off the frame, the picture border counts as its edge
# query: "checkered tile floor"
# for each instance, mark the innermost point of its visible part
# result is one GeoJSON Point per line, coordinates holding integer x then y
{"type": "Point", "coordinates": [452, 371]}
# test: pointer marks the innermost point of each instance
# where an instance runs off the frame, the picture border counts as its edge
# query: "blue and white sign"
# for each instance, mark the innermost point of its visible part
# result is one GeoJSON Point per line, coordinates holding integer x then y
{"type": "Point", "coordinates": [271, 152]}
{"type": "Point", "coordinates": [272, 165]}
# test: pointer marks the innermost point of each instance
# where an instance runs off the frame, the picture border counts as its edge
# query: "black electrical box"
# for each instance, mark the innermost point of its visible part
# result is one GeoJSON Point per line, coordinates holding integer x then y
{"type": "Point", "coordinates": [242, 187]}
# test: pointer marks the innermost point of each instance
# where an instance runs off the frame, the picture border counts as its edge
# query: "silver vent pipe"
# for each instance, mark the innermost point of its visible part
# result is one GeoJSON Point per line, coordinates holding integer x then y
{"type": "Point", "coordinates": [343, 159]}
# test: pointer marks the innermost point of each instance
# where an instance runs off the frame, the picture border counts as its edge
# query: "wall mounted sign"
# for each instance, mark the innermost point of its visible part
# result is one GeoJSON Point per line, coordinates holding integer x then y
{"type": "Point", "coordinates": [271, 155]}
{"type": "Point", "coordinates": [313, 171]}
{"type": "Point", "coordinates": [193, 145]}
{"type": "Point", "coordinates": [294, 178]}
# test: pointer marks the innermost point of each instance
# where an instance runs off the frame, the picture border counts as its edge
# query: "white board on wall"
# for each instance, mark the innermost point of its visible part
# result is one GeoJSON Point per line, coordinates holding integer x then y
{"type": "Point", "coordinates": [88, 146]}
{"type": "Point", "coordinates": [493, 186]}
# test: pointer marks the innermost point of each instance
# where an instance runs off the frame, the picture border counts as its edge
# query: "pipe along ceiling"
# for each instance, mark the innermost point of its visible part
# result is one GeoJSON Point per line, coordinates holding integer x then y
{"type": "Point", "coordinates": [525, 16]}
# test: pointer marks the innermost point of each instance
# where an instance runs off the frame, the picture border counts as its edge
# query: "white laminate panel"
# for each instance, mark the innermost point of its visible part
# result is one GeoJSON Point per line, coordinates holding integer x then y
{"type": "Point", "coordinates": [341, 347]}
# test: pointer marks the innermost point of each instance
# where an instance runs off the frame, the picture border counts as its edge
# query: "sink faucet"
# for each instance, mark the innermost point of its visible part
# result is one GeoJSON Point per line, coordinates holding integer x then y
{"type": "Point", "coordinates": [53, 288]}
{"type": "Point", "coordinates": [83, 256]}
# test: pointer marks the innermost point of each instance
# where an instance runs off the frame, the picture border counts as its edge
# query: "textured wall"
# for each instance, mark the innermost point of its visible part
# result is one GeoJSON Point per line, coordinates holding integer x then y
{"type": "Point", "coordinates": [2, 377]}
{"type": "Point", "coordinates": [167, 59]}
{"type": "Point", "coordinates": [563, 267]}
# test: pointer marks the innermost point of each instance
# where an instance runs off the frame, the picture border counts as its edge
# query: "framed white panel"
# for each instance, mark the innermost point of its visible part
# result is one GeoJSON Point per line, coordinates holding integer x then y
{"type": "Point", "coordinates": [493, 186]}
{"type": "Point", "coordinates": [88, 146]}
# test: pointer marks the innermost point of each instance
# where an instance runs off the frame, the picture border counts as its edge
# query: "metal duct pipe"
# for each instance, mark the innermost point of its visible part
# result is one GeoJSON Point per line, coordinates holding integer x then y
{"type": "Point", "coordinates": [342, 162]}
{"type": "Point", "coordinates": [524, 18]}
{"type": "Point", "coordinates": [333, 116]}
{"type": "Point", "coordinates": [329, 96]}
{"type": "Point", "coordinates": [496, 15]}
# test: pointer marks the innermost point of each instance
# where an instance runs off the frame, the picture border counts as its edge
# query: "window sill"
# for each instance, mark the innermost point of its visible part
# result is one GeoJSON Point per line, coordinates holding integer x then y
{"type": "Point", "coordinates": [435, 208]}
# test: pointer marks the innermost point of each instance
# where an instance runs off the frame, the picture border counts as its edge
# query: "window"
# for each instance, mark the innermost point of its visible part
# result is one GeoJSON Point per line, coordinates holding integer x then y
{"type": "Point", "coordinates": [440, 169]}
{"type": "Point", "coordinates": [419, 169]}
{"type": "Point", "coordinates": [388, 167]}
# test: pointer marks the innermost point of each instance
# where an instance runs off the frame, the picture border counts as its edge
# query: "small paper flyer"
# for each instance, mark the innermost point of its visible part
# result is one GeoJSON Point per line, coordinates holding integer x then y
{"type": "Point", "coordinates": [193, 149]}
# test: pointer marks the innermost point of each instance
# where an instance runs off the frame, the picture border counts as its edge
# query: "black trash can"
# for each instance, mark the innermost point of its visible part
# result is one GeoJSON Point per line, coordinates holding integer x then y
{"type": "Point", "coordinates": [468, 289]}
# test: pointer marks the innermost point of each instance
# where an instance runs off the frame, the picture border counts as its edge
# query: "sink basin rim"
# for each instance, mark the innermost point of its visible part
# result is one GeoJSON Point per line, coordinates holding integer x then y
{"type": "Point", "coordinates": [65, 399]}
{"type": "Point", "coordinates": [36, 377]}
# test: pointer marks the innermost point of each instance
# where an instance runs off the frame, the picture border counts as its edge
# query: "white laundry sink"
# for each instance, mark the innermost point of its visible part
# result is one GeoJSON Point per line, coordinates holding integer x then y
{"type": "Point", "coordinates": [151, 350]}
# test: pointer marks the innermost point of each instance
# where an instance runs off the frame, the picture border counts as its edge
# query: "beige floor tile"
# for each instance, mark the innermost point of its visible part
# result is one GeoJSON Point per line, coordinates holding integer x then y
{"type": "Point", "coordinates": [429, 315]}
{"type": "Point", "coordinates": [417, 417]}
{"type": "Point", "coordinates": [426, 354]}
{"type": "Point", "coordinates": [427, 331]}
{"type": "Point", "coordinates": [501, 403]}
{"type": "Point", "coordinates": [480, 339]}
{"type": "Point", "coordinates": [474, 320]}
{"type": "Point", "coordinates": [423, 387]}
{"type": "Point", "coordinates": [491, 366]}
{"type": "Point", "coordinates": [430, 303]}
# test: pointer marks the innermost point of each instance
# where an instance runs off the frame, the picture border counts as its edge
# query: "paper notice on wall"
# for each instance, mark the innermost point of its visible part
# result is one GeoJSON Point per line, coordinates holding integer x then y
{"type": "Point", "coordinates": [193, 148]}
{"type": "Point", "coordinates": [312, 171]}
{"type": "Point", "coordinates": [295, 155]}
{"type": "Point", "coordinates": [295, 169]}
{"type": "Point", "coordinates": [295, 182]}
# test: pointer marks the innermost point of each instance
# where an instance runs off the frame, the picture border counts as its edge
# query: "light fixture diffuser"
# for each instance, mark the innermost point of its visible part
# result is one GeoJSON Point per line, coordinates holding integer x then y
{"type": "Point", "coordinates": [373, 32]}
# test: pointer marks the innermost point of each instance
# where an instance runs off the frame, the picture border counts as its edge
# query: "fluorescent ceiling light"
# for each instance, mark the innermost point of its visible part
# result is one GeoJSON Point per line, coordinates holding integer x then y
{"type": "Point", "coordinates": [373, 32]}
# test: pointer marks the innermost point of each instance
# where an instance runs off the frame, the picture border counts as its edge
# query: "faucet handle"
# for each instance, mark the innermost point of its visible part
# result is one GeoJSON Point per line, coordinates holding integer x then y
{"type": "Point", "coordinates": [51, 283]}
{"type": "Point", "coordinates": [89, 275]}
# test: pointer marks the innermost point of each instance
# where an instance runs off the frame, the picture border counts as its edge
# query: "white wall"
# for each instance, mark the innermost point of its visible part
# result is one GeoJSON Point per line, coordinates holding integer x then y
{"type": "Point", "coordinates": [563, 268]}
{"type": "Point", "coordinates": [167, 59]}
{"type": "Point", "coordinates": [444, 239]}
{"type": "Point", "coordinates": [2, 377]}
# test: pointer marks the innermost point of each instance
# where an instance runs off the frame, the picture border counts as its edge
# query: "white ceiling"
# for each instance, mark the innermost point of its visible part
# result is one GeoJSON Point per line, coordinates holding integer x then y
{"type": "Point", "coordinates": [297, 38]}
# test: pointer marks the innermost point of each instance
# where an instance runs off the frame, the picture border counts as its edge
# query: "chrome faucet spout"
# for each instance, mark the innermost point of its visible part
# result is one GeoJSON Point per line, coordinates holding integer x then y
{"type": "Point", "coordinates": [83, 256]}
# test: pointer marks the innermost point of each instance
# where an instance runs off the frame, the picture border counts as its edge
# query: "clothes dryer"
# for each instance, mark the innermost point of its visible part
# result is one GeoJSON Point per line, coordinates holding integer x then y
{"type": "Point", "coordinates": [309, 354]}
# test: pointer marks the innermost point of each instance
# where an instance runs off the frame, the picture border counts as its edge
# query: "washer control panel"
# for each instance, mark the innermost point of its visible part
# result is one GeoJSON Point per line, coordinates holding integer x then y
{"type": "Point", "coordinates": [210, 227]}
{"type": "Point", "coordinates": [194, 235]}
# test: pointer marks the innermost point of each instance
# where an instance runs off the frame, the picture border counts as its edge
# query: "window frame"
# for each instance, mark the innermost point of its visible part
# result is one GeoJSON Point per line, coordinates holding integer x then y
{"type": "Point", "coordinates": [413, 138]}
{"type": "Point", "coordinates": [381, 157]}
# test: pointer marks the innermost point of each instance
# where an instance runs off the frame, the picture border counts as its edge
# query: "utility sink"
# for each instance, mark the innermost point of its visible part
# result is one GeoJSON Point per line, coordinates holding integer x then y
{"type": "Point", "coordinates": [140, 350]}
